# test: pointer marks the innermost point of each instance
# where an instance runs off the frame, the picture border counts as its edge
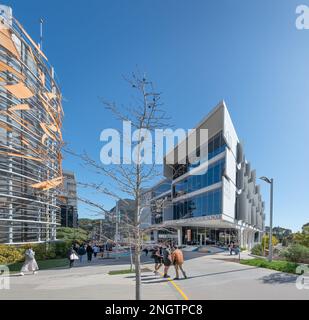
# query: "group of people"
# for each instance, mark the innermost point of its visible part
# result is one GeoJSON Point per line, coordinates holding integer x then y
{"type": "Point", "coordinates": [233, 247]}
{"type": "Point", "coordinates": [165, 255]}
{"type": "Point", "coordinates": [168, 255]}
{"type": "Point", "coordinates": [77, 252]}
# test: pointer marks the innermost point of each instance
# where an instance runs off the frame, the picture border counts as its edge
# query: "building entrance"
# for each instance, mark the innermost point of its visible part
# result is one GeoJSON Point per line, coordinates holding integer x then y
{"type": "Point", "coordinates": [202, 236]}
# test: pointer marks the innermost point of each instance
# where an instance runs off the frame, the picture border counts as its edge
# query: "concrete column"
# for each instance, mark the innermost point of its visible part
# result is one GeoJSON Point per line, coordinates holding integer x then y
{"type": "Point", "coordinates": [155, 235]}
{"type": "Point", "coordinates": [179, 236]}
{"type": "Point", "coordinates": [249, 240]}
{"type": "Point", "coordinates": [241, 237]}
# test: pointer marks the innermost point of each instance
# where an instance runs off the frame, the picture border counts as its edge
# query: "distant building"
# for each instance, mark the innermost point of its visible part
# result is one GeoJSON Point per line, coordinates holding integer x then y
{"type": "Point", "coordinates": [120, 217]}
{"type": "Point", "coordinates": [68, 201]}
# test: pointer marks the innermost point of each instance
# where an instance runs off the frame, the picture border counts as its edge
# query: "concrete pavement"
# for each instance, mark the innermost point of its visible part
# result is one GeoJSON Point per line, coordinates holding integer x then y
{"type": "Point", "coordinates": [210, 277]}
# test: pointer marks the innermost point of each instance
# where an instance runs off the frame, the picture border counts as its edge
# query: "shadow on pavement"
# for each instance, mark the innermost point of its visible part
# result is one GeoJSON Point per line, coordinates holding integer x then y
{"type": "Point", "coordinates": [279, 278]}
{"type": "Point", "coordinates": [223, 272]}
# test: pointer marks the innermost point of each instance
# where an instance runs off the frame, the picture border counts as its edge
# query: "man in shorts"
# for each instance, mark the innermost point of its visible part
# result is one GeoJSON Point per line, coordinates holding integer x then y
{"type": "Point", "coordinates": [167, 260]}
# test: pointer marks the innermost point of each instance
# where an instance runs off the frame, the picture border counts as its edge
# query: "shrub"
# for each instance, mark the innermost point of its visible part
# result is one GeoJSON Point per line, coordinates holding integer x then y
{"type": "Point", "coordinates": [10, 254]}
{"type": "Point", "coordinates": [51, 250]}
{"type": "Point", "coordinates": [296, 253]}
{"type": "Point", "coordinates": [301, 238]}
{"type": "Point", "coordinates": [76, 235]}
{"type": "Point", "coordinates": [61, 248]}
{"type": "Point", "coordinates": [265, 241]}
{"type": "Point", "coordinates": [257, 250]}
{"type": "Point", "coordinates": [283, 266]}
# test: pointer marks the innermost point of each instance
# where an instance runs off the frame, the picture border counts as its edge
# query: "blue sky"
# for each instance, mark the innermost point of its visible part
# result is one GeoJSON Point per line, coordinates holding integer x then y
{"type": "Point", "coordinates": [248, 53]}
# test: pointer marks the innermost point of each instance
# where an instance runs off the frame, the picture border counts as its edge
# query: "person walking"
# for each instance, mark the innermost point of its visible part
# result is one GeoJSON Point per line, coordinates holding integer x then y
{"type": "Point", "coordinates": [167, 260]}
{"type": "Point", "coordinates": [30, 264]}
{"type": "Point", "coordinates": [177, 258]}
{"type": "Point", "coordinates": [89, 251]}
{"type": "Point", "coordinates": [231, 247]}
{"type": "Point", "coordinates": [81, 252]}
{"type": "Point", "coordinates": [72, 256]}
{"type": "Point", "coordinates": [96, 250]}
{"type": "Point", "coordinates": [156, 255]}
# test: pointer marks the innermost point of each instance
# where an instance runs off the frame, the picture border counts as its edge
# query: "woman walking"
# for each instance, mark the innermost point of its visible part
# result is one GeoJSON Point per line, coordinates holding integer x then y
{"type": "Point", "coordinates": [72, 256]}
{"type": "Point", "coordinates": [30, 264]}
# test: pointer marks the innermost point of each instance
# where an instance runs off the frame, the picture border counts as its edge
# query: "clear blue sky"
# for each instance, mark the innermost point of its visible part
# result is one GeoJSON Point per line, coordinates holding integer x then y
{"type": "Point", "coordinates": [197, 52]}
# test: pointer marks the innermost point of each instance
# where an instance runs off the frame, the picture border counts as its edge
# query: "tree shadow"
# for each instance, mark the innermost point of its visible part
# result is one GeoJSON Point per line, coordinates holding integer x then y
{"type": "Point", "coordinates": [279, 278]}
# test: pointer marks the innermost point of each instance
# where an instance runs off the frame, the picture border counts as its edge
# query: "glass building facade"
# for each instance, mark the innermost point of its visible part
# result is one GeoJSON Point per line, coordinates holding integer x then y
{"type": "Point", "coordinates": [206, 204]}
{"type": "Point", "coordinates": [216, 145]}
{"type": "Point", "coordinates": [197, 182]}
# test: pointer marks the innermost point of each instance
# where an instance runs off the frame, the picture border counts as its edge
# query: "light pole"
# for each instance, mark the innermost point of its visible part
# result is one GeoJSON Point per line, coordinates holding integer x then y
{"type": "Point", "coordinates": [271, 182]}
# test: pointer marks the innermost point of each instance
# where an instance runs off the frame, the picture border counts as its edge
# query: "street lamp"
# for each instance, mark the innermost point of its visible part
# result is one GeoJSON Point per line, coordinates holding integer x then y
{"type": "Point", "coordinates": [271, 182]}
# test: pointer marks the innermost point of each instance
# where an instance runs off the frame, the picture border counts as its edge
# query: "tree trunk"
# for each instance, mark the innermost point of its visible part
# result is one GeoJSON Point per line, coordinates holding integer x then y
{"type": "Point", "coordinates": [137, 268]}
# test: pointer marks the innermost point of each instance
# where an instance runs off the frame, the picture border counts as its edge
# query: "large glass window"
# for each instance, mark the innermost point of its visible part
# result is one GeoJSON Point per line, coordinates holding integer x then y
{"type": "Point", "coordinates": [209, 203]}
{"type": "Point", "coordinates": [216, 145]}
{"type": "Point", "coordinates": [162, 188]}
{"type": "Point", "coordinates": [197, 182]}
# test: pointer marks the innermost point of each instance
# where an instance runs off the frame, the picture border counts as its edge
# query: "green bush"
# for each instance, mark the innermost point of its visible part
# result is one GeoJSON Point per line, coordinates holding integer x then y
{"type": "Point", "coordinates": [296, 253]}
{"type": "Point", "coordinates": [76, 235]}
{"type": "Point", "coordinates": [43, 251]}
{"type": "Point", "coordinates": [10, 254]}
{"type": "Point", "coordinates": [283, 266]}
{"type": "Point", "coordinates": [61, 248]}
{"type": "Point", "coordinates": [257, 250]}
{"type": "Point", "coordinates": [265, 241]}
{"type": "Point", "coordinates": [51, 250]}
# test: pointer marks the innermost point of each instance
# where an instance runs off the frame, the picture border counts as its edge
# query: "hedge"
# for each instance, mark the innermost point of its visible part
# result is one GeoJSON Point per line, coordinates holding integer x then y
{"type": "Point", "coordinates": [43, 251]}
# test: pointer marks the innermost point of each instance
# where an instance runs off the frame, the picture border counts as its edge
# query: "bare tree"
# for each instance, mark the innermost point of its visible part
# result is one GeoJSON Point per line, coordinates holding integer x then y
{"type": "Point", "coordinates": [129, 180]}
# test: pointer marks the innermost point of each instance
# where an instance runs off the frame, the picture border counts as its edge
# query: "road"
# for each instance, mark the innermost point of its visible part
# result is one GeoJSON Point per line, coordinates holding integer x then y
{"type": "Point", "coordinates": [209, 277]}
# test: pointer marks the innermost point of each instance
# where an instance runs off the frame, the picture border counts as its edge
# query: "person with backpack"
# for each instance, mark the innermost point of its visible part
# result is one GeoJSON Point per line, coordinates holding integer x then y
{"type": "Point", "coordinates": [167, 260]}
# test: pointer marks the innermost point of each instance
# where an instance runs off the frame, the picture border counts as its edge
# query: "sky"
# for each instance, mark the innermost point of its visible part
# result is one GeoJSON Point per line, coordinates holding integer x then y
{"type": "Point", "coordinates": [248, 53]}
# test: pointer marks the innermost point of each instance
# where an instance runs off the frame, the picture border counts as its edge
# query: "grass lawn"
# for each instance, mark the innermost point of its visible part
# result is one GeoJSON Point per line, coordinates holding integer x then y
{"type": "Point", "coordinates": [43, 264]}
{"type": "Point", "coordinates": [283, 266]}
{"type": "Point", "coordinates": [115, 272]}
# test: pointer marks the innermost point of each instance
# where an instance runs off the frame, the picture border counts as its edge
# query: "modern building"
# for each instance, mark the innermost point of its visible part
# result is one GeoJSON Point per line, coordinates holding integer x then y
{"type": "Point", "coordinates": [122, 218]}
{"type": "Point", "coordinates": [30, 137]}
{"type": "Point", "coordinates": [68, 201]}
{"type": "Point", "coordinates": [213, 206]}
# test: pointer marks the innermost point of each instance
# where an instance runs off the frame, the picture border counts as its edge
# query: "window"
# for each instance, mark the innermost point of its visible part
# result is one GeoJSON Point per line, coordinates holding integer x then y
{"type": "Point", "coordinates": [210, 177]}
{"type": "Point", "coordinates": [210, 203]}
{"type": "Point", "coordinates": [196, 182]}
{"type": "Point", "coordinates": [216, 173]}
{"type": "Point", "coordinates": [202, 205]}
{"type": "Point", "coordinates": [216, 202]}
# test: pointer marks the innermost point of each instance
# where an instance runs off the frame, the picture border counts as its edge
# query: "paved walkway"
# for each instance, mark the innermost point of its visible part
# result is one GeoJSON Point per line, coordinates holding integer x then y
{"type": "Point", "coordinates": [210, 277]}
